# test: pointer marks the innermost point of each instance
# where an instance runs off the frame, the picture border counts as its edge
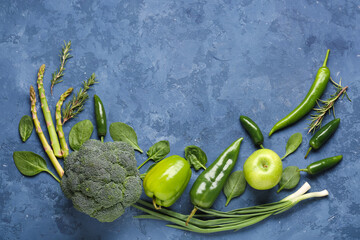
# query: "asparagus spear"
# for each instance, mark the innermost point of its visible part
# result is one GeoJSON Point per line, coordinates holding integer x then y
{"type": "Point", "coordinates": [47, 115]}
{"type": "Point", "coordinates": [41, 135]}
{"type": "Point", "coordinates": [59, 128]}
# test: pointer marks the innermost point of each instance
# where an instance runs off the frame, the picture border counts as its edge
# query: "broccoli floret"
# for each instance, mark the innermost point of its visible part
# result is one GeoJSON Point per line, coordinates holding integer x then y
{"type": "Point", "coordinates": [102, 179]}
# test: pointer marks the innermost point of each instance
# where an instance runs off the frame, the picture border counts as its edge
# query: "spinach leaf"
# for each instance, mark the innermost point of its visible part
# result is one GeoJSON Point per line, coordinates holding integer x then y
{"type": "Point", "coordinates": [122, 132]}
{"type": "Point", "coordinates": [31, 164]}
{"type": "Point", "coordinates": [80, 133]}
{"type": "Point", "coordinates": [292, 144]}
{"type": "Point", "coordinates": [289, 178]}
{"type": "Point", "coordinates": [26, 127]}
{"type": "Point", "coordinates": [196, 157]}
{"type": "Point", "coordinates": [159, 150]}
{"type": "Point", "coordinates": [234, 186]}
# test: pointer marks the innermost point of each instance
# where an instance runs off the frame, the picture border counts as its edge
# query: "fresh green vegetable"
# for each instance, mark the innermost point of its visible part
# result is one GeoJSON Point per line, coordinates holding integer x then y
{"type": "Point", "coordinates": [328, 105]}
{"type": "Point", "coordinates": [31, 164]}
{"type": "Point", "coordinates": [196, 157]}
{"type": "Point", "coordinates": [41, 135]}
{"type": "Point", "coordinates": [47, 114]}
{"type": "Point", "coordinates": [234, 186]}
{"type": "Point", "coordinates": [210, 182]}
{"type": "Point", "coordinates": [323, 135]}
{"type": "Point", "coordinates": [80, 133]}
{"type": "Point", "coordinates": [25, 127]}
{"type": "Point", "coordinates": [322, 165]}
{"type": "Point", "coordinates": [253, 130]}
{"type": "Point", "coordinates": [289, 178]}
{"type": "Point", "coordinates": [216, 221]}
{"type": "Point", "coordinates": [157, 152]}
{"type": "Point", "coordinates": [59, 124]}
{"type": "Point", "coordinates": [315, 92]}
{"type": "Point", "coordinates": [100, 118]}
{"type": "Point", "coordinates": [122, 132]}
{"type": "Point", "coordinates": [64, 57]}
{"type": "Point", "coordinates": [167, 180]}
{"type": "Point", "coordinates": [76, 104]}
{"type": "Point", "coordinates": [101, 179]}
{"type": "Point", "coordinates": [292, 144]}
{"type": "Point", "coordinates": [142, 176]}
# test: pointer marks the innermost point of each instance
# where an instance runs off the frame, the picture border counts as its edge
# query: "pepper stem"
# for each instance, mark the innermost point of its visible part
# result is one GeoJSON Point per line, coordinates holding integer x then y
{"type": "Point", "coordinates": [307, 153]}
{"type": "Point", "coordinates": [326, 58]}
{"type": "Point", "coordinates": [191, 215]}
{"type": "Point", "coordinates": [156, 206]}
{"type": "Point", "coordinates": [261, 146]}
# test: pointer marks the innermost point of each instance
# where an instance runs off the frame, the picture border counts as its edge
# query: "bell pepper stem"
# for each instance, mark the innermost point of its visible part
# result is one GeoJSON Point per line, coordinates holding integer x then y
{"type": "Point", "coordinates": [307, 153]}
{"type": "Point", "coordinates": [191, 215]}
{"type": "Point", "coordinates": [156, 206]}
{"type": "Point", "coordinates": [261, 146]}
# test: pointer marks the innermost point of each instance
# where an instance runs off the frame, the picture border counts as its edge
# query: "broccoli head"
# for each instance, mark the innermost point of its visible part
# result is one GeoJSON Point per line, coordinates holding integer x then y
{"type": "Point", "coordinates": [101, 179]}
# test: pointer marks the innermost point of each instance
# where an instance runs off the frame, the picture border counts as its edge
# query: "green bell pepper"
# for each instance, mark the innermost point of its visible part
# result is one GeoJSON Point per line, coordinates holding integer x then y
{"type": "Point", "coordinates": [167, 180]}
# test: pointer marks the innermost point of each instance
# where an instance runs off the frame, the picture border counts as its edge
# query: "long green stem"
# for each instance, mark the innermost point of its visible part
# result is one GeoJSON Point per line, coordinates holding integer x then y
{"type": "Point", "coordinates": [41, 135]}
{"type": "Point", "coordinates": [143, 163]}
{"type": "Point", "coordinates": [47, 115]}
{"type": "Point", "coordinates": [59, 128]}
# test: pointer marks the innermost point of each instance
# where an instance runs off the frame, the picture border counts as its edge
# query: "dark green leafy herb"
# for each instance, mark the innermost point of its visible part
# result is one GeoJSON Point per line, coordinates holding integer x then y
{"type": "Point", "coordinates": [196, 157]}
{"type": "Point", "coordinates": [289, 178]}
{"type": "Point", "coordinates": [26, 127]}
{"type": "Point", "coordinates": [234, 186]}
{"type": "Point", "coordinates": [64, 57]}
{"type": "Point", "coordinates": [31, 164]}
{"type": "Point", "coordinates": [293, 144]}
{"type": "Point", "coordinates": [157, 152]}
{"type": "Point", "coordinates": [122, 132]}
{"type": "Point", "coordinates": [80, 133]}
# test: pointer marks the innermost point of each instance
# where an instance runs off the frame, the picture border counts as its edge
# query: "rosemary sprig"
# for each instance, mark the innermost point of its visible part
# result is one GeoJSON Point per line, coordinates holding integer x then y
{"type": "Point", "coordinates": [58, 74]}
{"type": "Point", "coordinates": [76, 105]}
{"type": "Point", "coordinates": [327, 106]}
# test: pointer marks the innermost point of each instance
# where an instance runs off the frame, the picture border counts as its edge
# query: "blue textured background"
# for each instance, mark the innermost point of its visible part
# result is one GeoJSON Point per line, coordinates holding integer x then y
{"type": "Point", "coordinates": [183, 71]}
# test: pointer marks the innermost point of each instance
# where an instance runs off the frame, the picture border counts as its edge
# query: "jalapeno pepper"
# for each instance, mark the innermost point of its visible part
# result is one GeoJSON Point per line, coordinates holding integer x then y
{"type": "Point", "coordinates": [322, 165]}
{"type": "Point", "coordinates": [100, 116]}
{"type": "Point", "coordinates": [167, 180]}
{"type": "Point", "coordinates": [253, 130]}
{"type": "Point", "coordinates": [210, 182]}
{"type": "Point", "coordinates": [315, 92]}
{"type": "Point", "coordinates": [324, 133]}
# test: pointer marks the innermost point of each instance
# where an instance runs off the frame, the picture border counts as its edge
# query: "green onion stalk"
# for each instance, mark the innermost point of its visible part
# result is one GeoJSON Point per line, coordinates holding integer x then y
{"type": "Point", "coordinates": [212, 221]}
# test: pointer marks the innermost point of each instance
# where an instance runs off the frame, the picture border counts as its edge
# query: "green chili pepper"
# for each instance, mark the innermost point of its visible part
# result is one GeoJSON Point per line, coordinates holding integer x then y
{"type": "Point", "coordinates": [167, 180]}
{"type": "Point", "coordinates": [210, 182]}
{"type": "Point", "coordinates": [315, 92]}
{"type": "Point", "coordinates": [324, 133]}
{"type": "Point", "coordinates": [253, 130]}
{"type": "Point", "coordinates": [100, 118]}
{"type": "Point", "coordinates": [322, 165]}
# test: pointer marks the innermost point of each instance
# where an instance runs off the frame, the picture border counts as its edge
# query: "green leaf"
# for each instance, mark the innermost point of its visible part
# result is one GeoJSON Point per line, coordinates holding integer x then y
{"type": "Point", "coordinates": [31, 164]}
{"type": "Point", "coordinates": [26, 127]}
{"type": "Point", "coordinates": [289, 178]}
{"type": "Point", "coordinates": [80, 133]}
{"type": "Point", "coordinates": [293, 144]}
{"type": "Point", "coordinates": [122, 132]}
{"type": "Point", "coordinates": [234, 186]}
{"type": "Point", "coordinates": [158, 151]}
{"type": "Point", "coordinates": [196, 157]}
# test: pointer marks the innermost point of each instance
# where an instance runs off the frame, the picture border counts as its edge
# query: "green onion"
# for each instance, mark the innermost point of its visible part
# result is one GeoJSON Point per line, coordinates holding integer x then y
{"type": "Point", "coordinates": [212, 221]}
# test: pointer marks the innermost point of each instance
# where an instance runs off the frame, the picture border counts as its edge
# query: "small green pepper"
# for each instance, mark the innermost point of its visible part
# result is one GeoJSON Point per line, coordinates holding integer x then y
{"type": "Point", "coordinates": [322, 165]}
{"type": "Point", "coordinates": [253, 130]}
{"type": "Point", "coordinates": [167, 180]}
{"type": "Point", "coordinates": [210, 182]}
{"type": "Point", "coordinates": [324, 133]}
{"type": "Point", "coordinates": [100, 118]}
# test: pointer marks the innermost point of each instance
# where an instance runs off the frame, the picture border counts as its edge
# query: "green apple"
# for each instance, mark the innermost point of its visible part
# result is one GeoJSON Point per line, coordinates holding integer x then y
{"type": "Point", "coordinates": [263, 169]}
